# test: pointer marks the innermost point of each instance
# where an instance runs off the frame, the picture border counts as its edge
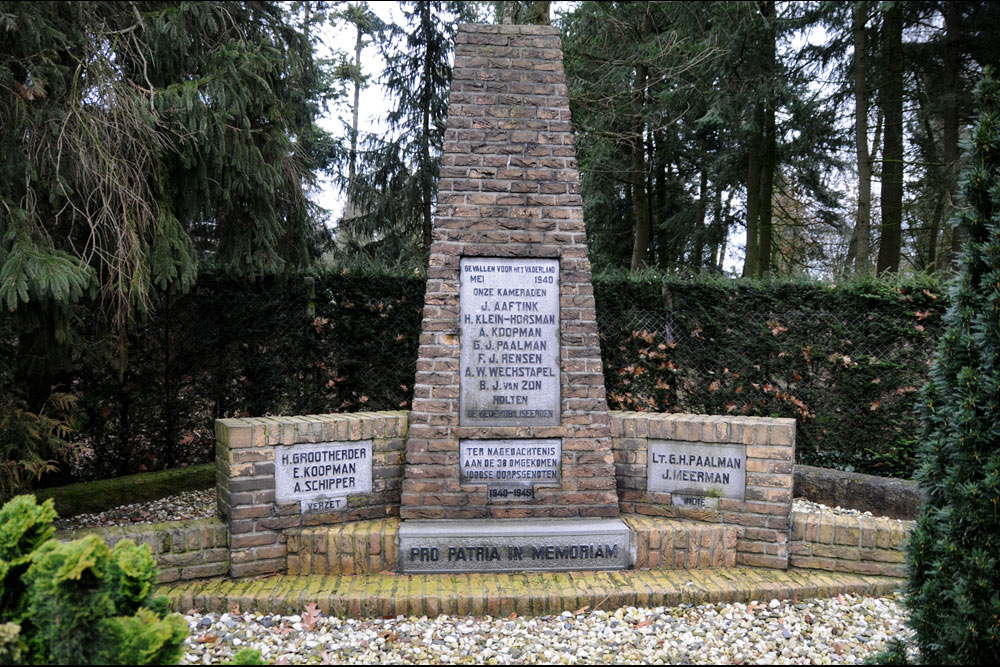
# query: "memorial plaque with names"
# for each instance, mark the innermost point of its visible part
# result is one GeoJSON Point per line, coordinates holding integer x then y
{"type": "Point", "coordinates": [510, 468]}
{"type": "Point", "coordinates": [693, 471]}
{"type": "Point", "coordinates": [510, 342]}
{"type": "Point", "coordinates": [322, 475]}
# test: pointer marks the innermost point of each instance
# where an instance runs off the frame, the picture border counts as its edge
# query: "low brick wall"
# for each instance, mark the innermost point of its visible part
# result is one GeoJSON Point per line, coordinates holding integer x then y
{"type": "Point", "coordinates": [192, 549]}
{"type": "Point", "coordinates": [761, 518]}
{"type": "Point", "coordinates": [266, 536]}
{"type": "Point", "coordinates": [245, 479]}
{"type": "Point", "coordinates": [669, 544]}
{"type": "Point", "coordinates": [846, 543]}
{"type": "Point", "coordinates": [360, 547]}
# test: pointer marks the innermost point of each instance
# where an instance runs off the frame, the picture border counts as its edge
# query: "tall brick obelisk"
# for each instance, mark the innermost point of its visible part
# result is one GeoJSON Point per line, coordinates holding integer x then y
{"type": "Point", "coordinates": [509, 415]}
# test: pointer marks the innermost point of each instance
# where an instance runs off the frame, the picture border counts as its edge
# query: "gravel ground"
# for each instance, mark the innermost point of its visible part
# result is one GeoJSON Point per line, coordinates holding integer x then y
{"type": "Point", "coordinates": [803, 505]}
{"type": "Point", "coordinates": [189, 505]}
{"type": "Point", "coordinates": [842, 630]}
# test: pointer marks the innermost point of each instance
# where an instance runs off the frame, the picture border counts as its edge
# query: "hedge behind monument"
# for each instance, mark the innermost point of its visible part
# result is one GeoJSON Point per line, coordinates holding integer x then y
{"type": "Point", "coordinates": [954, 552]}
{"type": "Point", "coordinates": [846, 361]}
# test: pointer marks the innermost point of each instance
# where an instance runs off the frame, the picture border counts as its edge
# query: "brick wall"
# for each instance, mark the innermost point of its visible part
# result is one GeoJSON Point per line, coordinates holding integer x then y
{"type": "Point", "coordinates": [245, 482]}
{"type": "Point", "coordinates": [846, 543]}
{"type": "Point", "coordinates": [361, 547]}
{"type": "Point", "coordinates": [761, 518]}
{"type": "Point", "coordinates": [369, 547]}
{"type": "Point", "coordinates": [509, 187]}
{"type": "Point", "coordinates": [183, 550]}
{"type": "Point", "coordinates": [672, 544]}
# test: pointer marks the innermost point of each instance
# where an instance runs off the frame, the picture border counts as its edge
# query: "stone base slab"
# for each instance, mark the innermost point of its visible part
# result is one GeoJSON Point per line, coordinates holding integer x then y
{"type": "Point", "coordinates": [530, 545]}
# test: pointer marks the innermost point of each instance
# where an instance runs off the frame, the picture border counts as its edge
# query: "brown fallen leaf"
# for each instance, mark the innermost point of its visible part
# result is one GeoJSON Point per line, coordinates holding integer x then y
{"type": "Point", "coordinates": [311, 615]}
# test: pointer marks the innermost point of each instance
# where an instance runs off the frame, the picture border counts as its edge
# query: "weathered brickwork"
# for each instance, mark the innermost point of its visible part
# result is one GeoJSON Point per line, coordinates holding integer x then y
{"type": "Point", "coordinates": [245, 479]}
{"type": "Point", "coordinates": [845, 543]}
{"type": "Point", "coordinates": [509, 187]}
{"type": "Point", "coordinates": [193, 549]}
{"type": "Point", "coordinates": [526, 593]}
{"type": "Point", "coordinates": [761, 518]}
{"type": "Point", "coordinates": [671, 544]}
{"type": "Point", "coordinates": [369, 547]}
{"type": "Point", "coordinates": [358, 547]}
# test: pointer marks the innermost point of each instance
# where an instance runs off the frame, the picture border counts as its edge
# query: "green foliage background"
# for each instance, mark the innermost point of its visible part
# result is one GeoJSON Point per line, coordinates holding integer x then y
{"type": "Point", "coordinates": [845, 362]}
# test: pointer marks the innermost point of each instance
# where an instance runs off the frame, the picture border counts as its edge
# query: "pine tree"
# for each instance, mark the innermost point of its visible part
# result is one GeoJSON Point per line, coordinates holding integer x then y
{"type": "Point", "coordinates": [135, 136]}
{"type": "Point", "coordinates": [954, 552]}
{"type": "Point", "coordinates": [396, 181]}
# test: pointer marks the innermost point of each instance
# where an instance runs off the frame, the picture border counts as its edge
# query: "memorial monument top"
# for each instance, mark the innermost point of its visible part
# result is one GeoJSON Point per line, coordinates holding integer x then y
{"type": "Point", "coordinates": [509, 415]}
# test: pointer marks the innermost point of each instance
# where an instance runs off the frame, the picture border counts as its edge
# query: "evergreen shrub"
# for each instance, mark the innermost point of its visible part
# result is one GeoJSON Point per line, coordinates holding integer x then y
{"type": "Point", "coordinates": [954, 551]}
{"type": "Point", "coordinates": [79, 602]}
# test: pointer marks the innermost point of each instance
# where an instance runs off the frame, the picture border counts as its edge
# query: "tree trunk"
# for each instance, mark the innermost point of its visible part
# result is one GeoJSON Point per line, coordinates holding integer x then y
{"type": "Point", "coordinates": [765, 209]}
{"type": "Point", "coordinates": [754, 159]}
{"type": "Point", "coordinates": [715, 237]}
{"type": "Point", "coordinates": [891, 99]}
{"type": "Point", "coordinates": [540, 12]}
{"type": "Point", "coordinates": [952, 65]}
{"type": "Point", "coordinates": [357, 102]}
{"type": "Point", "coordinates": [640, 196]}
{"type": "Point", "coordinates": [699, 234]}
{"type": "Point", "coordinates": [425, 110]}
{"type": "Point", "coordinates": [350, 210]}
{"type": "Point", "coordinates": [862, 226]}
{"type": "Point", "coordinates": [770, 142]}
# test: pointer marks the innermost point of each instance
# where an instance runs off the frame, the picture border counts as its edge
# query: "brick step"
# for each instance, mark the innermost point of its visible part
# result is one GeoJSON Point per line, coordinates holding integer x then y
{"type": "Point", "coordinates": [369, 547]}
{"type": "Point", "coordinates": [532, 593]}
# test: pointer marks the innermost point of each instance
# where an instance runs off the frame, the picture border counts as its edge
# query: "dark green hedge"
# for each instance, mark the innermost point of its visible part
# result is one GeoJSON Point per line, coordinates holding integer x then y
{"type": "Point", "coordinates": [845, 362]}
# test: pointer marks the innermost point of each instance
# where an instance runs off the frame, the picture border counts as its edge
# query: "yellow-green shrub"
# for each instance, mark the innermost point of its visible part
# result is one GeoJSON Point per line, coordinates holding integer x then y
{"type": "Point", "coordinates": [80, 602]}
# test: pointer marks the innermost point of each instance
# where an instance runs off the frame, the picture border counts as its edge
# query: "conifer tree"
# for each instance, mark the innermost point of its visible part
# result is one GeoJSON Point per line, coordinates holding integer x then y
{"type": "Point", "coordinates": [134, 136]}
{"type": "Point", "coordinates": [396, 181]}
{"type": "Point", "coordinates": [954, 552]}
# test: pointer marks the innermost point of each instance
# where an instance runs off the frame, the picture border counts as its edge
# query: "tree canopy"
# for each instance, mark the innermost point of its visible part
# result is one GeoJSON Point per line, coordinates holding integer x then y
{"type": "Point", "coordinates": [140, 137]}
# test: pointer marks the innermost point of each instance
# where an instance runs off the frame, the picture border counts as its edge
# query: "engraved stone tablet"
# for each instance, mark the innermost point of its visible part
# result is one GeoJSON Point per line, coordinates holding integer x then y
{"type": "Point", "coordinates": [510, 468]}
{"type": "Point", "coordinates": [691, 469]}
{"type": "Point", "coordinates": [322, 475]}
{"type": "Point", "coordinates": [510, 342]}
{"type": "Point", "coordinates": [513, 545]}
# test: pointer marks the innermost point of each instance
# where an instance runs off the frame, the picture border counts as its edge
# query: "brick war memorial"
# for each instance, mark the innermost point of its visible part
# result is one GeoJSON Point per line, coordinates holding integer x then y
{"type": "Point", "coordinates": [510, 460]}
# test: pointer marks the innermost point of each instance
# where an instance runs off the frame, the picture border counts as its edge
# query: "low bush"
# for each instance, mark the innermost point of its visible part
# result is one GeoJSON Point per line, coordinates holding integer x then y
{"type": "Point", "coordinates": [78, 602]}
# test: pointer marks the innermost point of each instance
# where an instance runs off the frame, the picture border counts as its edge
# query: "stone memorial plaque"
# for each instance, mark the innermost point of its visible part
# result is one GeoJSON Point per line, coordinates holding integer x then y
{"type": "Point", "coordinates": [513, 545]}
{"type": "Point", "coordinates": [510, 468]}
{"type": "Point", "coordinates": [510, 342]}
{"type": "Point", "coordinates": [692, 469]}
{"type": "Point", "coordinates": [322, 475]}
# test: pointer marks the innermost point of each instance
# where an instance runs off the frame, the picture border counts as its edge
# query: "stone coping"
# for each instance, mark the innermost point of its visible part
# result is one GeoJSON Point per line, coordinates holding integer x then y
{"type": "Point", "coordinates": [534, 593]}
{"type": "Point", "coordinates": [183, 550]}
{"type": "Point", "coordinates": [882, 496]}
